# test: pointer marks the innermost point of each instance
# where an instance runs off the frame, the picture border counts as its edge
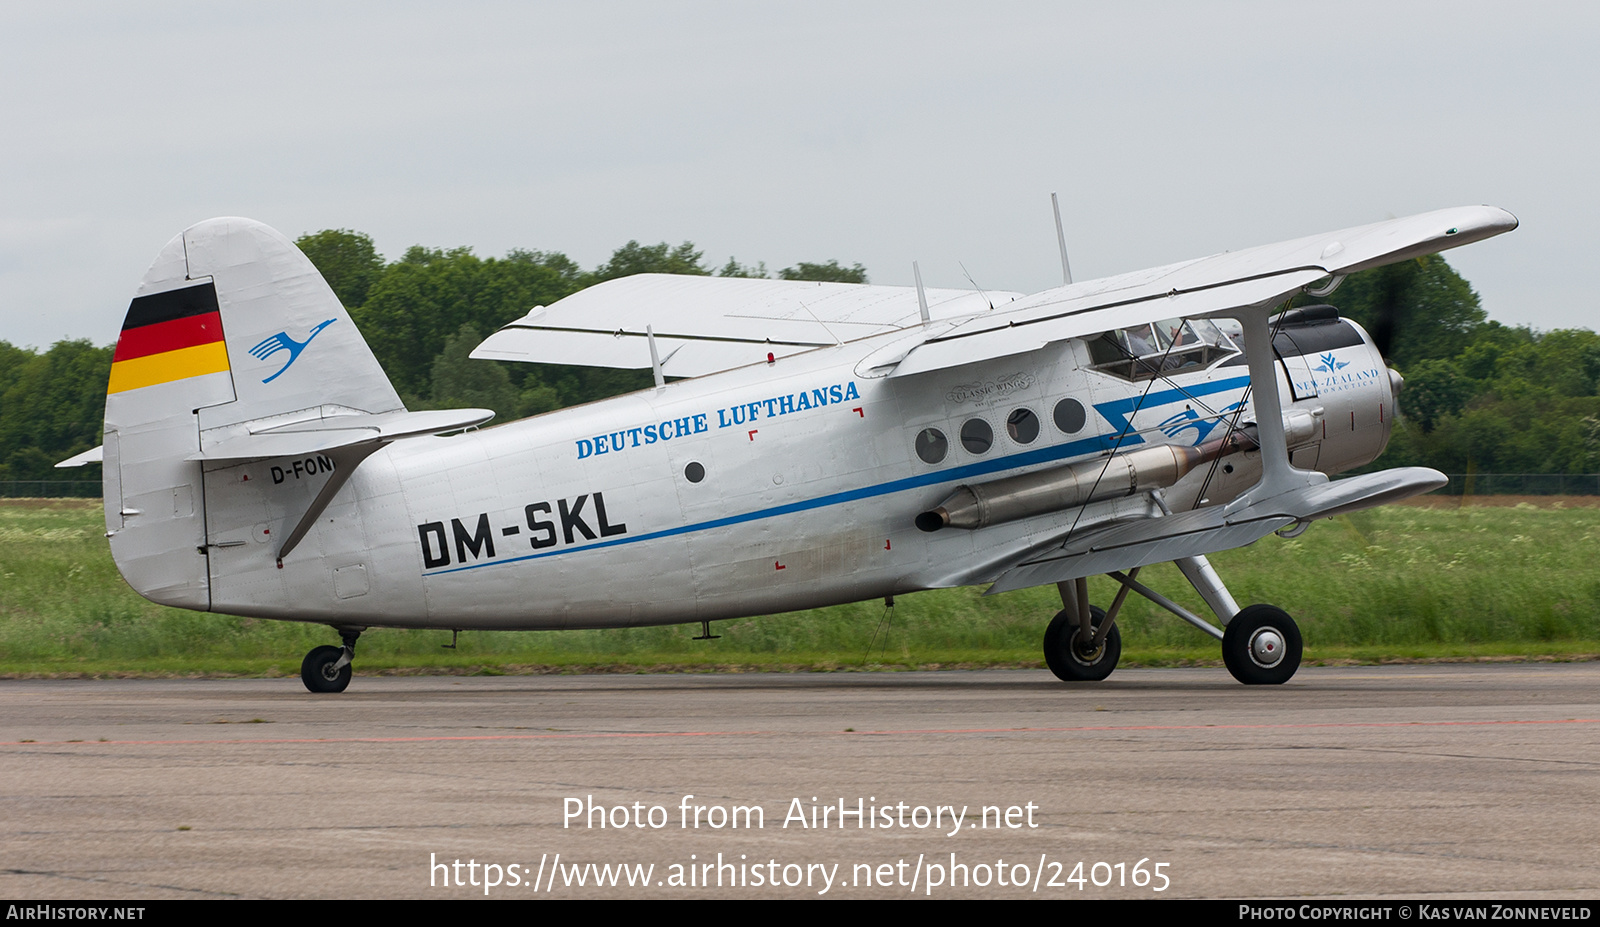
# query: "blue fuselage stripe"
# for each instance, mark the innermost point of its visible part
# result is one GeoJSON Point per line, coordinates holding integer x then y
{"type": "Point", "coordinates": [982, 468]}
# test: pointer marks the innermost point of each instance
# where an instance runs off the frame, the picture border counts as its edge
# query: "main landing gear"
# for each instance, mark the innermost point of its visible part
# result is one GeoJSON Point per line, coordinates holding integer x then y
{"type": "Point", "coordinates": [1260, 643]}
{"type": "Point", "coordinates": [1261, 646]}
{"type": "Point", "coordinates": [327, 669]}
{"type": "Point", "coordinates": [1082, 658]}
{"type": "Point", "coordinates": [1082, 643]}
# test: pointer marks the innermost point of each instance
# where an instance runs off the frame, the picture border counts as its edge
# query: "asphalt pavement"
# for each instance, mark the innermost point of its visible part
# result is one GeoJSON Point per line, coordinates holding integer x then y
{"type": "Point", "coordinates": [1438, 781]}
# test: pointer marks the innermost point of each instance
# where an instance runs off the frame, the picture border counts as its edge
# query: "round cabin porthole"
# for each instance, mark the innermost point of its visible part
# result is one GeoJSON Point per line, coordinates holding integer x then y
{"type": "Point", "coordinates": [694, 472]}
{"type": "Point", "coordinates": [976, 436]}
{"type": "Point", "coordinates": [1022, 425]}
{"type": "Point", "coordinates": [931, 445]}
{"type": "Point", "coordinates": [1069, 416]}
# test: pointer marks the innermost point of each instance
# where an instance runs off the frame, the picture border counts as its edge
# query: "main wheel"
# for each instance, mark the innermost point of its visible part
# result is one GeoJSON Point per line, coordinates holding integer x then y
{"type": "Point", "coordinates": [1261, 646]}
{"type": "Point", "coordinates": [1069, 660]}
{"type": "Point", "coordinates": [317, 671]}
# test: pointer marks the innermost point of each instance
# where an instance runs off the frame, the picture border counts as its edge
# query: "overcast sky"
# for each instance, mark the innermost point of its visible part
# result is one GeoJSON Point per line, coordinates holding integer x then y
{"type": "Point", "coordinates": [878, 133]}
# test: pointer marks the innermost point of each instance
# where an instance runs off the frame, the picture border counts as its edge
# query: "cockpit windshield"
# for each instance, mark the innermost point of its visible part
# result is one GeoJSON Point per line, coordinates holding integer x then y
{"type": "Point", "coordinates": [1143, 351]}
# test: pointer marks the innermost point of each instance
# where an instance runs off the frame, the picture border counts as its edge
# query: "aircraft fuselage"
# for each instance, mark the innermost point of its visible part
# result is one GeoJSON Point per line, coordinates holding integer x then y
{"type": "Point", "coordinates": [768, 488]}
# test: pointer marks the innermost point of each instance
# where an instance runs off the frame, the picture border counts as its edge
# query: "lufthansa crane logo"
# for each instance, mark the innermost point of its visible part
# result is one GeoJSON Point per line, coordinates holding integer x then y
{"type": "Point", "coordinates": [282, 342]}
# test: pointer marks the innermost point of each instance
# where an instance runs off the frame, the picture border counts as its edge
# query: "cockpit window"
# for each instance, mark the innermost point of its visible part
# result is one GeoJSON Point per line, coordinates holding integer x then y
{"type": "Point", "coordinates": [1143, 351]}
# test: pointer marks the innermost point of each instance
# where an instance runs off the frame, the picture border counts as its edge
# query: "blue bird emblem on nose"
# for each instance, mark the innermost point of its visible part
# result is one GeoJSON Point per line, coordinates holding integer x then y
{"type": "Point", "coordinates": [282, 342]}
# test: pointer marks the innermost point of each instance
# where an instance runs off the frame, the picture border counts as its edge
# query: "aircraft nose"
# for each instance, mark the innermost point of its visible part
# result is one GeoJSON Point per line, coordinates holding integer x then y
{"type": "Point", "coordinates": [1395, 382]}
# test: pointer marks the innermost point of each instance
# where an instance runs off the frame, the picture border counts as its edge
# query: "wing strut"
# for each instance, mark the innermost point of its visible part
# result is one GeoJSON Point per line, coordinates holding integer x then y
{"type": "Point", "coordinates": [1278, 475]}
{"type": "Point", "coordinates": [655, 358]}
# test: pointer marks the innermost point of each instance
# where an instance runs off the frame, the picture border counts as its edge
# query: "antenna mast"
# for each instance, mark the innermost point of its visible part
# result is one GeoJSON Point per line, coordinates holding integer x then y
{"type": "Point", "coordinates": [922, 297]}
{"type": "Point", "coordinates": [1061, 239]}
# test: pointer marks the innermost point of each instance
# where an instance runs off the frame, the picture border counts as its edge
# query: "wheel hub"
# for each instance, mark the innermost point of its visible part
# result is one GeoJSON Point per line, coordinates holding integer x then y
{"type": "Point", "coordinates": [1086, 651]}
{"type": "Point", "coordinates": [1267, 647]}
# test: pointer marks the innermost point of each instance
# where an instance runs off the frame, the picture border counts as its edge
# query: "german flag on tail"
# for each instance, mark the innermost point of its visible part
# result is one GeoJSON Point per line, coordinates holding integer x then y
{"type": "Point", "coordinates": [169, 336]}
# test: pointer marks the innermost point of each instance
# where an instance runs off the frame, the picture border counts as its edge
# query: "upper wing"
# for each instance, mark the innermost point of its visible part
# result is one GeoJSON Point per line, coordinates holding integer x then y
{"type": "Point", "coordinates": [1216, 285]}
{"type": "Point", "coordinates": [705, 324]}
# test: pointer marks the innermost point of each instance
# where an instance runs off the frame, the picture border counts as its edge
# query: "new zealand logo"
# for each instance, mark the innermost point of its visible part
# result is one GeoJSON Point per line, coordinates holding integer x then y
{"type": "Point", "coordinates": [1330, 363]}
{"type": "Point", "coordinates": [282, 342]}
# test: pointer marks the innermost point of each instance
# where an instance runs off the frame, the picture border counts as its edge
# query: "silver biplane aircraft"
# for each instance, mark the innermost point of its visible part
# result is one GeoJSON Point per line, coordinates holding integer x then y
{"type": "Point", "coordinates": [820, 443]}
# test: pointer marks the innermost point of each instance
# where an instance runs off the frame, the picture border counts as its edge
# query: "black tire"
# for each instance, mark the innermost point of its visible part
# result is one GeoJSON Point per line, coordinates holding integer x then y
{"type": "Point", "coordinates": [1067, 661]}
{"type": "Point", "coordinates": [317, 672]}
{"type": "Point", "coordinates": [1262, 646]}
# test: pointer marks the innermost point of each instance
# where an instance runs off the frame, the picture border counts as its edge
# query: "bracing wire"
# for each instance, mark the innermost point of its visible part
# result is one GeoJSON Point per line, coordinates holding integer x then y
{"type": "Point", "coordinates": [1233, 421]}
{"type": "Point", "coordinates": [1117, 444]}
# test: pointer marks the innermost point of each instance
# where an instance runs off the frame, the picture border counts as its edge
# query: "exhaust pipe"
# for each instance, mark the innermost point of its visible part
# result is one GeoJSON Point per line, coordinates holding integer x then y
{"type": "Point", "coordinates": [1087, 481]}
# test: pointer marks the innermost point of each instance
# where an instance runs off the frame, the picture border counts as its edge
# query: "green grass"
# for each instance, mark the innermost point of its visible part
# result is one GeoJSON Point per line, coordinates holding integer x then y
{"type": "Point", "coordinates": [1399, 583]}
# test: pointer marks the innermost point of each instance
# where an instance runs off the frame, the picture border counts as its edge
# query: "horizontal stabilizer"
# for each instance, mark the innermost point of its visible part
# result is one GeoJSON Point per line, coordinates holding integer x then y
{"type": "Point", "coordinates": [309, 436]}
{"type": "Point", "coordinates": [1143, 541]}
{"type": "Point", "coordinates": [92, 455]}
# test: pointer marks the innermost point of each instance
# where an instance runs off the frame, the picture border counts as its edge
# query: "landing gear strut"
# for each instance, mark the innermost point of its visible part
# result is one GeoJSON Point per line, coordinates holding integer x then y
{"type": "Point", "coordinates": [1074, 659]}
{"type": "Point", "coordinates": [327, 669]}
{"type": "Point", "coordinates": [1261, 644]}
{"type": "Point", "coordinates": [1079, 650]}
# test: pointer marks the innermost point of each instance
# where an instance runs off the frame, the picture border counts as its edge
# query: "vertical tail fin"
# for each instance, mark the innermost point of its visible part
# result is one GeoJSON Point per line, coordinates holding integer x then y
{"type": "Point", "coordinates": [232, 329]}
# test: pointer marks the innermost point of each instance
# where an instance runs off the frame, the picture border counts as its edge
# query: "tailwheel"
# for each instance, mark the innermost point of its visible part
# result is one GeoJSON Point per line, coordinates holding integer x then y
{"type": "Point", "coordinates": [1261, 646]}
{"type": "Point", "coordinates": [327, 669]}
{"type": "Point", "coordinates": [321, 672]}
{"type": "Point", "coordinates": [1073, 659]}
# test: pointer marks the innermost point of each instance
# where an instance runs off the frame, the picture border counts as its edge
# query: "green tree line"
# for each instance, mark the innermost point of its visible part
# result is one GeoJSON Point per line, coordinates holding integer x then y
{"type": "Point", "coordinates": [1478, 395]}
{"type": "Point", "coordinates": [422, 315]}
